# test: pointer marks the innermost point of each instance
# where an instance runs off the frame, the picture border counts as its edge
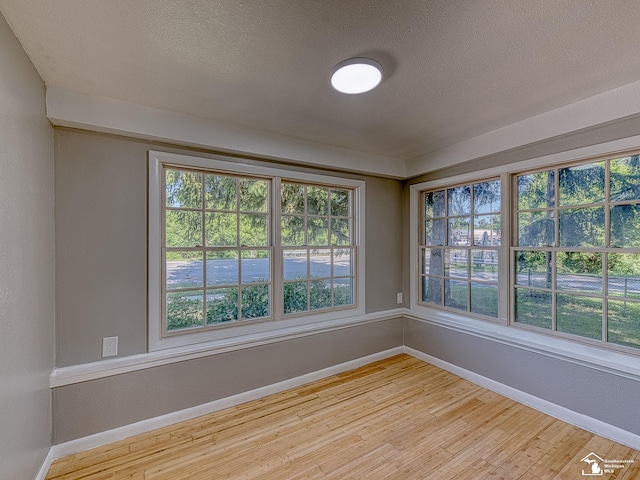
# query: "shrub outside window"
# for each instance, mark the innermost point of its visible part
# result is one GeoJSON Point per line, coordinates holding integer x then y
{"type": "Point", "coordinates": [318, 249]}
{"type": "Point", "coordinates": [217, 249]}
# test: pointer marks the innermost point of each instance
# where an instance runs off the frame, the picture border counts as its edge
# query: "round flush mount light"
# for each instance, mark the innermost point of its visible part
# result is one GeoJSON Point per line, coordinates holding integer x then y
{"type": "Point", "coordinates": [356, 75]}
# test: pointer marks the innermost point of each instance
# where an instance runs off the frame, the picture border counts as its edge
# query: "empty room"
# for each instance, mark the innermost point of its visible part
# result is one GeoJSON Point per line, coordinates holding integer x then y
{"type": "Point", "coordinates": [319, 239]}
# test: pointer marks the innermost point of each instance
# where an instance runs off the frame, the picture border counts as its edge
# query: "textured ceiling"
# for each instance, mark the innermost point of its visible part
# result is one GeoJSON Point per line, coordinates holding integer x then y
{"type": "Point", "coordinates": [453, 69]}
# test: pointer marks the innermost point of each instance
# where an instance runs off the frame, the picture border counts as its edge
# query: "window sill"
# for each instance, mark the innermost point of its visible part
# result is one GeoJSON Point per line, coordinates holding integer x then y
{"type": "Point", "coordinates": [602, 359]}
{"type": "Point", "coordinates": [117, 366]}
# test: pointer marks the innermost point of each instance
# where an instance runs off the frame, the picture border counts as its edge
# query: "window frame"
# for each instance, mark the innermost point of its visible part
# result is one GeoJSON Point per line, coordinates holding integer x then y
{"type": "Point", "coordinates": [251, 329]}
{"type": "Point", "coordinates": [506, 330]}
{"type": "Point", "coordinates": [446, 247]}
{"type": "Point", "coordinates": [554, 290]}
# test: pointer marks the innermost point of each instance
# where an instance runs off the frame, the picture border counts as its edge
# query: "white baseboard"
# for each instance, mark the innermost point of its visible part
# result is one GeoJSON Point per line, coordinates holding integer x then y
{"type": "Point", "coordinates": [120, 433]}
{"type": "Point", "coordinates": [579, 420]}
{"type": "Point", "coordinates": [46, 465]}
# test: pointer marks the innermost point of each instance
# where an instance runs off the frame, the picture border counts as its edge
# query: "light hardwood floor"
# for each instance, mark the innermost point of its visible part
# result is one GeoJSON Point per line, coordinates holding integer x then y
{"type": "Point", "coordinates": [399, 418]}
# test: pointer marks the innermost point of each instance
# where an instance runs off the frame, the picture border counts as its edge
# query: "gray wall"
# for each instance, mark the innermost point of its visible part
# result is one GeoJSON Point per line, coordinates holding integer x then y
{"type": "Point", "coordinates": [101, 243]}
{"type": "Point", "coordinates": [26, 263]}
{"type": "Point", "coordinates": [98, 405]}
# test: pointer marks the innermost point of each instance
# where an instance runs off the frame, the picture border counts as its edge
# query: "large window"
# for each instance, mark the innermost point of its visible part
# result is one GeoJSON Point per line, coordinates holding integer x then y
{"type": "Point", "coordinates": [217, 249]}
{"type": "Point", "coordinates": [576, 253]}
{"type": "Point", "coordinates": [237, 245]}
{"type": "Point", "coordinates": [461, 236]}
{"type": "Point", "coordinates": [555, 250]}
{"type": "Point", "coordinates": [318, 248]}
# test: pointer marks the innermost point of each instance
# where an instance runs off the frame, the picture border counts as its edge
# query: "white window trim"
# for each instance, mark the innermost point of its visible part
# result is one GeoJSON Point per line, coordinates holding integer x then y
{"type": "Point", "coordinates": [465, 321]}
{"type": "Point", "coordinates": [250, 329]}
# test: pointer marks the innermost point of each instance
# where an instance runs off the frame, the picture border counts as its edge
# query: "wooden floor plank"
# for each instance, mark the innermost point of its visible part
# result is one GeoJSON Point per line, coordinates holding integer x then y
{"type": "Point", "coordinates": [395, 418]}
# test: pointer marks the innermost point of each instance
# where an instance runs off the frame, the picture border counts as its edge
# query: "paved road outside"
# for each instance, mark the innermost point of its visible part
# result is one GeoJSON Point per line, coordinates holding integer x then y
{"type": "Point", "coordinates": [186, 273]}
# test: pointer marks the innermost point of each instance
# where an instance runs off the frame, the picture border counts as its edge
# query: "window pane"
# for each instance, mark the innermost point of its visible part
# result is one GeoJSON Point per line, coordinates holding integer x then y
{"type": "Point", "coordinates": [579, 316]}
{"type": "Point", "coordinates": [484, 265]}
{"type": "Point", "coordinates": [434, 204]}
{"type": "Point", "coordinates": [340, 234]}
{"type": "Point", "coordinates": [183, 189]}
{"type": "Point", "coordinates": [342, 262]}
{"type": "Point", "coordinates": [255, 266]}
{"type": "Point", "coordinates": [222, 268]}
{"type": "Point", "coordinates": [432, 290]}
{"type": "Point", "coordinates": [253, 195]}
{"type": "Point", "coordinates": [432, 261]}
{"type": "Point", "coordinates": [222, 305]}
{"type": "Point", "coordinates": [292, 198]}
{"type": "Point", "coordinates": [319, 294]}
{"type": "Point", "coordinates": [486, 230]}
{"type": "Point", "coordinates": [533, 307]}
{"type": "Point", "coordinates": [625, 226]}
{"type": "Point", "coordinates": [623, 323]}
{"type": "Point", "coordinates": [220, 192]}
{"type": "Point", "coordinates": [343, 292]}
{"type": "Point", "coordinates": [255, 301]}
{"type": "Point", "coordinates": [183, 228]}
{"type": "Point", "coordinates": [624, 275]}
{"type": "Point", "coordinates": [184, 269]}
{"type": "Point", "coordinates": [582, 184]}
{"type": "Point", "coordinates": [457, 294]}
{"type": "Point", "coordinates": [536, 229]}
{"type": "Point", "coordinates": [625, 179]}
{"type": "Point", "coordinates": [484, 299]}
{"type": "Point", "coordinates": [456, 262]}
{"type": "Point", "coordinates": [459, 200]}
{"type": "Point", "coordinates": [320, 263]}
{"type": "Point", "coordinates": [317, 201]}
{"type": "Point", "coordinates": [317, 231]}
{"type": "Point", "coordinates": [295, 264]}
{"type": "Point", "coordinates": [536, 190]}
{"type": "Point", "coordinates": [340, 203]}
{"type": "Point", "coordinates": [486, 197]}
{"type": "Point", "coordinates": [579, 271]}
{"type": "Point", "coordinates": [292, 231]}
{"type": "Point", "coordinates": [534, 269]}
{"type": "Point", "coordinates": [295, 297]}
{"type": "Point", "coordinates": [253, 230]}
{"type": "Point", "coordinates": [582, 227]}
{"type": "Point", "coordinates": [184, 309]}
{"type": "Point", "coordinates": [434, 232]}
{"type": "Point", "coordinates": [460, 231]}
{"type": "Point", "coordinates": [221, 229]}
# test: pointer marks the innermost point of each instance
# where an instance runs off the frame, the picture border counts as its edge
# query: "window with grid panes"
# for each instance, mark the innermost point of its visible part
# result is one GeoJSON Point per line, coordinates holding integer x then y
{"type": "Point", "coordinates": [460, 241]}
{"type": "Point", "coordinates": [317, 247]}
{"type": "Point", "coordinates": [217, 249]}
{"type": "Point", "coordinates": [576, 250]}
{"type": "Point", "coordinates": [229, 256]}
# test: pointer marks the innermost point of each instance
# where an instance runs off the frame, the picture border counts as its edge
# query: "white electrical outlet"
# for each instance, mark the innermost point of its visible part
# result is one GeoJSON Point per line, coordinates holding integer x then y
{"type": "Point", "coordinates": [399, 297]}
{"type": "Point", "coordinates": [109, 346]}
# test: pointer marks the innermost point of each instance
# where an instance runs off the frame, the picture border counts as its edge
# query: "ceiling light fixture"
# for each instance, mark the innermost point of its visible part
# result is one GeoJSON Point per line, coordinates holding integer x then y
{"type": "Point", "coordinates": [356, 75]}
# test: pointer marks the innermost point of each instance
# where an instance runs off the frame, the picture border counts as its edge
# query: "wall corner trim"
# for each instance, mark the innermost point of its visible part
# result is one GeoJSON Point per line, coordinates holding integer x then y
{"type": "Point", "coordinates": [105, 368]}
